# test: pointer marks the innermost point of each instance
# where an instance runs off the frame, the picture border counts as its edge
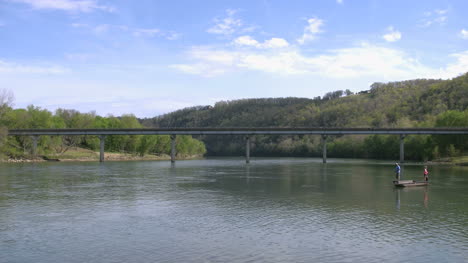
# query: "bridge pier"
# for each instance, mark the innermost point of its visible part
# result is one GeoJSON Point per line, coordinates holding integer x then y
{"type": "Point", "coordinates": [173, 148]}
{"type": "Point", "coordinates": [102, 139]}
{"type": "Point", "coordinates": [402, 148]}
{"type": "Point", "coordinates": [247, 149]}
{"type": "Point", "coordinates": [324, 148]}
{"type": "Point", "coordinates": [34, 138]}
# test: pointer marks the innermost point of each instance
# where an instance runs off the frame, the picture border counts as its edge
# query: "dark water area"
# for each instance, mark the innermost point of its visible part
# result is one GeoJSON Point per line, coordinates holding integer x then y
{"type": "Point", "coordinates": [223, 210]}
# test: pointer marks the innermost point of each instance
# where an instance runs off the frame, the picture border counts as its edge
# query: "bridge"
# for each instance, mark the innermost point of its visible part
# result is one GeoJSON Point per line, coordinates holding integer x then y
{"type": "Point", "coordinates": [247, 132]}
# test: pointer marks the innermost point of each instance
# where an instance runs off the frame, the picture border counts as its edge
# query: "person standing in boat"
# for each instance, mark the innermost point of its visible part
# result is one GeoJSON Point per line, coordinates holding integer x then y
{"type": "Point", "coordinates": [426, 174]}
{"type": "Point", "coordinates": [397, 171]}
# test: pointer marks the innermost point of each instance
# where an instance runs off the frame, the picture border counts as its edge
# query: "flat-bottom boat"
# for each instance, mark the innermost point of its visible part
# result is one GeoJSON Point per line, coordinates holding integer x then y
{"type": "Point", "coordinates": [406, 183]}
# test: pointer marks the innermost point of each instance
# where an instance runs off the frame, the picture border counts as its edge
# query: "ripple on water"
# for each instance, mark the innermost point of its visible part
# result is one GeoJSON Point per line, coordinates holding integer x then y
{"type": "Point", "coordinates": [273, 210]}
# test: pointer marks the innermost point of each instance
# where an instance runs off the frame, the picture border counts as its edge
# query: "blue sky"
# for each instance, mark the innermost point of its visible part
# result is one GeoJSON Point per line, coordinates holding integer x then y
{"type": "Point", "coordinates": [152, 57]}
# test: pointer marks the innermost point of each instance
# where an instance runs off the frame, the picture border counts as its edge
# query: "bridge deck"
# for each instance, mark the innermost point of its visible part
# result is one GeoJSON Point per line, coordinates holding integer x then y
{"type": "Point", "coordinates": [238, 131]}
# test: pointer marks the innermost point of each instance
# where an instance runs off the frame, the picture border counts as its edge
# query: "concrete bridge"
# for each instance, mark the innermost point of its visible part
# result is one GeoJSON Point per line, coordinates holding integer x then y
{"type": "Point", "coordinates": [247, 132]}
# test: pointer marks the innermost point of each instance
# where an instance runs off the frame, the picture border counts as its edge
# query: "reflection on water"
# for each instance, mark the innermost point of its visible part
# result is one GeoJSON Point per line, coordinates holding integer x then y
{"type": "Point", "coordinates": [422, 189]}
{"type": "Point", "coordinates": [397, 191]}
{"type": "Point", "coordinates": [426, 198]}
{"type": "Point", "coordinates": [222, 210]}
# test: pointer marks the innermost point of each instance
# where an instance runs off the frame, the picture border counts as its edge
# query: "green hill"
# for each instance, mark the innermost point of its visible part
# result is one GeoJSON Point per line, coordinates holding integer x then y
{"type": "Point", "coordinates": [412, 103]}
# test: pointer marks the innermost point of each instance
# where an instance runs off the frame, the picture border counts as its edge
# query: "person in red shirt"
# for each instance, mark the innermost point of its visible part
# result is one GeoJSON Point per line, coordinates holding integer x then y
{"type": "Point", "coordinates": [426, 174]}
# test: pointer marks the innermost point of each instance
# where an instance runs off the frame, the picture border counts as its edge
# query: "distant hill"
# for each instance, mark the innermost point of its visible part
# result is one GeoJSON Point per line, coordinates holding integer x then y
{"type": "Point", "coordinates": [411, 103]}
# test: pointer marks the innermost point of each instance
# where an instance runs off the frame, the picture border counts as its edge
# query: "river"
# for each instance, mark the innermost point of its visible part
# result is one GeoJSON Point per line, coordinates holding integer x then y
{"type": "Point", "coordinates": [223, 210]}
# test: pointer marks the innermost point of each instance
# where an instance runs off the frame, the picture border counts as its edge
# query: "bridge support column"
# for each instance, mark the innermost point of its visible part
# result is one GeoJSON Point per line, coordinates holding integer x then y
{"type": "Point", "coordinates": [102, 139]}
{"type": "Point", "coordinates": [402, 148]}
{"type": "Point", "coordinates": [247, 149]}
{"type": "Point", "coordinates": [34, 138]}
{"type": "Point", "coordinates": [324, 148]}
{"type": "Point", "coordinates": [173, 148]}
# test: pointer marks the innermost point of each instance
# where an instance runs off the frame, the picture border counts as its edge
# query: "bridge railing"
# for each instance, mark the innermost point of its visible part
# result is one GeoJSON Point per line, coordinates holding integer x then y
{"type": "Point", "coordinates": [237, 131]}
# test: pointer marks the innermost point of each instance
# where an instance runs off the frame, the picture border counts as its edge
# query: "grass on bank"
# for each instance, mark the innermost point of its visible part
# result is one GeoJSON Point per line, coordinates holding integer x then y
{"type": "Point", "coordinates": [81, 154]}
{"type": "Point", "coordinates": [462, 160]}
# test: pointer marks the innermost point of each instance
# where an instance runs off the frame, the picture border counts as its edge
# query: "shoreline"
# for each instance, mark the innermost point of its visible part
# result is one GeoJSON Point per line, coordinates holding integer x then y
{"type": "Point", "coordinates": [81, 155]}
{"type": "Point", "coordinates": [77, 154]}
{"type": "Point", "coordinates": [38, 160]}
{"type": "Point", "coordinates": [115, 157]}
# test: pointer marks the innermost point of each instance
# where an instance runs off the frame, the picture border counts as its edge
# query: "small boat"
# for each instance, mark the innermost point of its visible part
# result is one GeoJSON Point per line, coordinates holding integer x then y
{"type": "Point", "coordinates": [405, 183]}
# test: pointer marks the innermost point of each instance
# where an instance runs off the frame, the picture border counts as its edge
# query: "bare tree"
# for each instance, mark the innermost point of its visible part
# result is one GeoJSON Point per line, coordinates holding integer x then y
{"type": "Point", "coordinates": [6, 100]}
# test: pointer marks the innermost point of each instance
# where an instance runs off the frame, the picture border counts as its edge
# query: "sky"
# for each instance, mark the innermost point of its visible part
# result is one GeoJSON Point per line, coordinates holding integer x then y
{"type": "Point", "coordinates": [151, 57]}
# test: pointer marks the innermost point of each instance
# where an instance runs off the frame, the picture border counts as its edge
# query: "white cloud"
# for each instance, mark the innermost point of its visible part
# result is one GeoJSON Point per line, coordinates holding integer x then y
{"type": "Point", "coordinates": [441, 11]}
{"type": "Point", "coordinates": [246, 41]}
{"type": "Point", "coordinates": [437, 16]}
{"type": "Point", "coordinates": [229, 25]}
{"type": "Point", "coordinates": [285, 63]}
{"type": "Point", "coordinates": [464, 34]}
{"type": "Point", "coordinates": [67, 5]}
{"type": "Point", "coordinates": [392, 35]}
{"type": "Point", "coordinates": [459, 66]}
{"type": "Point", "coordinates": [275, 43]}
{"type": "Point", "coordinates": [136, 32]}
{"type": "Point", "coordinates": [311, 30]}
{"type": "Point", "coordinates": [339, 1]}
{"type": "Point", "coordinates": [270, 43]}
{"type": "Point", "coordinates": [209, 62]}
{"type": "Point", "coordinates": [355, 62]}
{"type": "Point", "coordinates": [15, 68]}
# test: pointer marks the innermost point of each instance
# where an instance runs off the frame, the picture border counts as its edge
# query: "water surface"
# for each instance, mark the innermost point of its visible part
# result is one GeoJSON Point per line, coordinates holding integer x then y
{"type": "Point", "coordinates": [222, 210]}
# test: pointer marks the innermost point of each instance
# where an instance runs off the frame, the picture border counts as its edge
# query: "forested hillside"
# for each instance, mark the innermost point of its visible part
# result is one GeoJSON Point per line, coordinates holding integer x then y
{"type": "Point", "coordinates": [412, 103]}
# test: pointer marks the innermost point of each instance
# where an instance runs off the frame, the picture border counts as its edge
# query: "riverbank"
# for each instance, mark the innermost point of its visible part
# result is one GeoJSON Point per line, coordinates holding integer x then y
{"type": "Point", "coordinates": [462, 161]}
{"type": "Point", "coordinates": [77, 154]}
{"type": "Point", "coordinates": [85, 155]}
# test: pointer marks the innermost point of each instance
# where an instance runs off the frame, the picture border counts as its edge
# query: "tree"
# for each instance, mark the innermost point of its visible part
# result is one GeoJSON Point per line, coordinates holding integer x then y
{"type": "Point", "coordinates": [6, 102]}
{"type": "Point", "coordinates": [145, 144]}
{"type": "Point", "coordinates": [452, 144]}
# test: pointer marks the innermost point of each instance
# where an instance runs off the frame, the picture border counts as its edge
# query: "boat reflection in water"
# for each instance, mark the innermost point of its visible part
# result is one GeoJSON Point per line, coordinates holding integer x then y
{"type": "Point", "coordinates": [399, 191]}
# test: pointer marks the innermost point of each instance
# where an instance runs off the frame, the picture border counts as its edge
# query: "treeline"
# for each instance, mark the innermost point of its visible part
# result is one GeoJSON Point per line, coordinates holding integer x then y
{"type": "Point", "coordinates": [36, 118]}
{"type": "Point", "coordinates": [412, 103]}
